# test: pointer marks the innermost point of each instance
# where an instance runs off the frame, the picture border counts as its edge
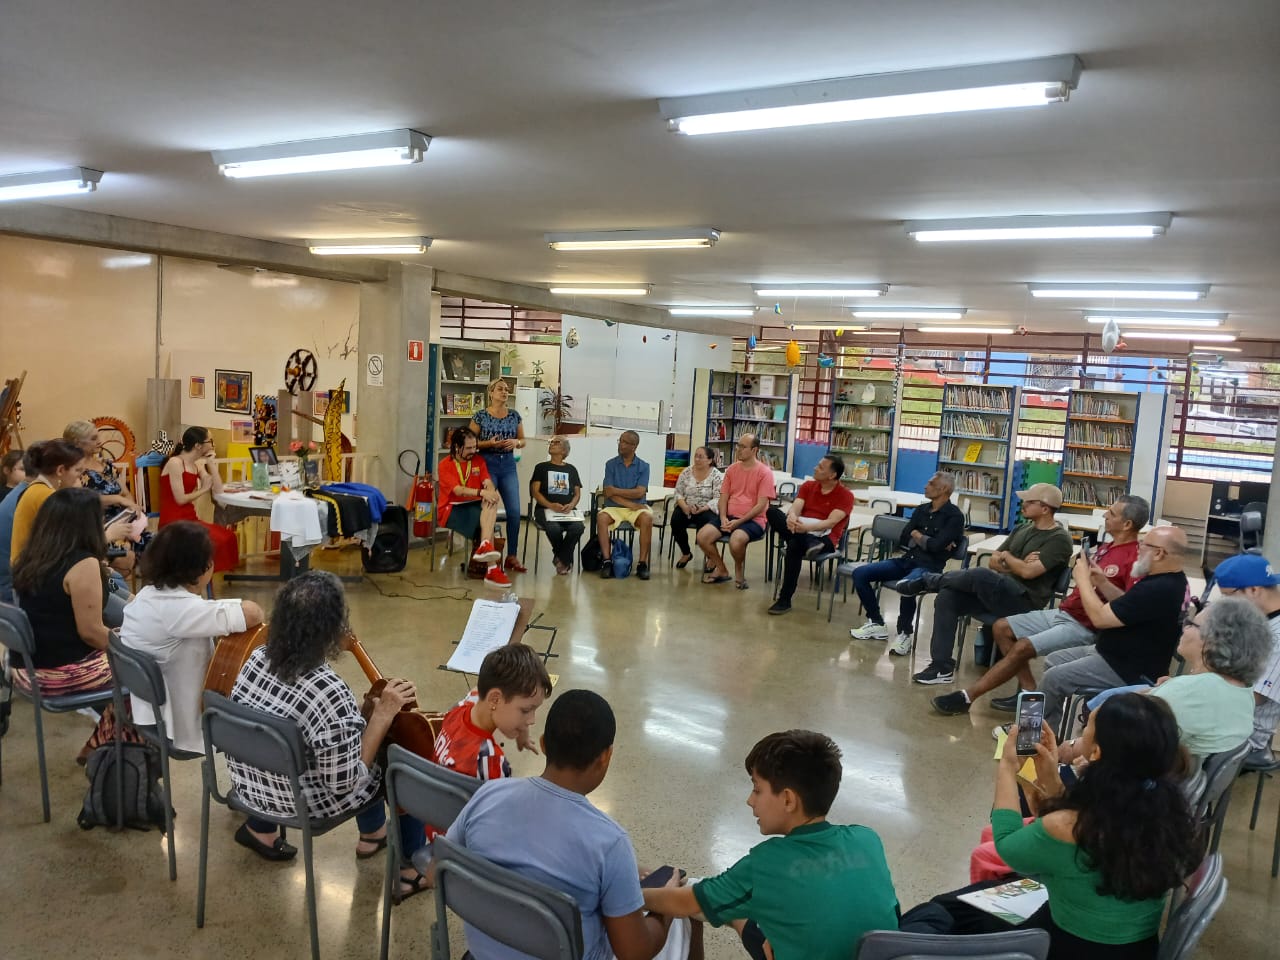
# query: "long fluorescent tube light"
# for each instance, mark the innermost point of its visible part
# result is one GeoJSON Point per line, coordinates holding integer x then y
{"type": "Point", "coordinates": [1207, 349]}
{"type": "Point", "coordinates": [604, 290]}
{"type": "Point", "coordinates": [1070, 227]}
{"type": "Point", "coordinates": [846, 327]}
{"type": "Point", "coordinates": [993, 331]}
{"type": "Point", "coordinates": [685, 238]}
{"type": "Point", "coordinates": [1119, 291]}
{"type": "Point", "coordinates": [909, 313]}
{"type": "Point", "coordinates": [383, 246]}
{"type": "Point", "coordinates": [735, 313]}
{"type": "Point", "coordinates": [1155, 318]}
{"type": "Point", "coordinates": [824, 290]}
{"type": "Point", "coordinates": [909, 93]}
{"type": "Point", "coordinates": [50, 183]}
{"type": "Point", "coordinates": [386, 148]}
{"type": "Point", "coordinates": [1178, 335]}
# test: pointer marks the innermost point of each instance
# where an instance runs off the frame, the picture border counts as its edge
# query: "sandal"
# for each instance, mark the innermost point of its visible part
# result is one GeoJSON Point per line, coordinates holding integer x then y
{"type": "Point", "coordinates": [740, 584]}
{"type": "Point", "coordinates": [379, 845]}
{"type": "Point", "coordinates": [708, 578]}
{"type": "Point", "coordinates": [683, 561]}
{"type": "Point", "coordinates": [416, 886]}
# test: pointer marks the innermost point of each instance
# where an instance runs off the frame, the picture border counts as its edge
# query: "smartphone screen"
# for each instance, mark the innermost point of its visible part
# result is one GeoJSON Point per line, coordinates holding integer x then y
{"type": "Point", "coordinates": [1030, 715]}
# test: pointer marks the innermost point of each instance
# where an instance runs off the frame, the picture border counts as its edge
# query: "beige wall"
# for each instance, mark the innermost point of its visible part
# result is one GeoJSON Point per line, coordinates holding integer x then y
{"type": "Point", "coordinates": [82, 322]}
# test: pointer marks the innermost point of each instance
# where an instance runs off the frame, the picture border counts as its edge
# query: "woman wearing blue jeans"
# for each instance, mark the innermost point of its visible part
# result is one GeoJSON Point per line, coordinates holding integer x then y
{"type": "Point", "coordinates": [501, 433]}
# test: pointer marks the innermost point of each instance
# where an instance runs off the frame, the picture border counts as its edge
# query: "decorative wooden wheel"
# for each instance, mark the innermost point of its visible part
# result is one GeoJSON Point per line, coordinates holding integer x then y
{"type": "Point", "coordinates": [118, 443]}
{"type": "Point", "coordinates": [300, 371]}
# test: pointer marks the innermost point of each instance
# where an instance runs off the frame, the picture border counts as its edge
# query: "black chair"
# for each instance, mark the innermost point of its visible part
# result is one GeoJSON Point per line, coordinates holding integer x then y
{"type": "Point", "coordinates": [1253, 520]}
{"type": "Point", "coordinates": [135, 673]}
{"type": "Point", "coordinates": [1264, 771]}
{"type": "Point", "coordinates": [512, 909]}
{"type": "Point", "coordinates": [1192, 910]}
{"type": "Point", "coordinates": [16, 634]}
{"type": "Point", "coordinates": [1029, 944]}
{"type": "Point", "coordinates": [1220, 771]}
{"type": "Point", "coordinates": [428, 792]}
{"type": "Point", "coordinates": [267, 743]}
{"type": "Point", "coordinates": [531, 533]}
{"type": "Point", "coordinates": [1061, 587]}
{"type": "Point", "coordinates": [886, 532]}
{"type": "Point", "coordinates": [819, 564]}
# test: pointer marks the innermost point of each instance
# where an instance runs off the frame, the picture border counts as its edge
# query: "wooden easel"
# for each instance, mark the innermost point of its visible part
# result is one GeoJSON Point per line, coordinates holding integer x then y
{"type": "Point", "coordinates": [9, 414]}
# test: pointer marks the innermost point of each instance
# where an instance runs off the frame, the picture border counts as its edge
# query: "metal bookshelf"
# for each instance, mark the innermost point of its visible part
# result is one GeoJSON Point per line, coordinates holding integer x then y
{"type": "Point", "coordinates": [459, 380]}
{"type": "Point", "coordinates": [1099, 447]}
{"type": "Point", "coordinates": [863, 425]}
{"type": "Point", "coordinates": [738, 403]}
{"type": "Point", "coordinates": [976, 442]}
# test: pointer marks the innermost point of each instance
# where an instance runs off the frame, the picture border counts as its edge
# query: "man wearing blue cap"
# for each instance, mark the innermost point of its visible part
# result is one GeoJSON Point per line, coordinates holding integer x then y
{"type": "Point", "coordinates": [1252, 577]}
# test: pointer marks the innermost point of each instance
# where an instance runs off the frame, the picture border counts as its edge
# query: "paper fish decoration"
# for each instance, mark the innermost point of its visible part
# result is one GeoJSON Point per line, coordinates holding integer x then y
{"type": "Point", "coordinates": [826, 361]}
{"type": "Point", "coordinates": [751, 342]}
{"type": "Point", "coordinates": [777, 308]}
{"type": "Point", "coordinates": [793, 354]}
{"type": "Point", "coordinates": [667, 337]}
{"type": "Point", "coordinates": [1110, 335]}
{"type": "Point", "coordinates": [839, 331]}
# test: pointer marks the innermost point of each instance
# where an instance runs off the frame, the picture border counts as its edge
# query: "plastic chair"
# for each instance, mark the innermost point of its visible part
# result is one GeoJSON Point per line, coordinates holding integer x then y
{"type": "Point", "coordinates": [16, 634]}
{"type": "Point", "coordinates": [135, 673]}
{"type": "Point", "coordinates": [271, 744]}
{"type": "Point", "coordinates": [1264, 772]}
{"type": "Point", "coordinates": [825, 560]}
{"type": "Point", "coordinates": [428, 792]}
{"type": "Point", "coordinates": [507, 906]}
{"type": "Point", "coordinates": [886, 532]}
{"type": "Point", "coordinates": [1206, 889]}
{"type": "Point", "coordinates": [1220, 772]}
{"type": "Point", "coordinates": [1029, 944]}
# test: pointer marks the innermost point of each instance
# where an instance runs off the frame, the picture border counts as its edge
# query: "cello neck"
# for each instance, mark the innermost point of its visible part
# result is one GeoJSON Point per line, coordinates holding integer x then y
{"type": "Point", "coordinates": [362, 658]}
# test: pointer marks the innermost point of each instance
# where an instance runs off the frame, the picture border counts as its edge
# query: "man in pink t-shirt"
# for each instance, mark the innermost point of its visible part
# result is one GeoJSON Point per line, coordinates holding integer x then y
{"type": "Point", "coordinates": [744, 496]}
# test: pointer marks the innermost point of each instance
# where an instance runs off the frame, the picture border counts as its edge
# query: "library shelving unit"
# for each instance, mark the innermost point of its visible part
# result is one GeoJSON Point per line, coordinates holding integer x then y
{"type": "Point", "coordinates": [1099, 448]}
{"type": "Point", "coordinates": [976, 445]}
{"type": "Point", "coordinates": [738, 403]}
{"type": "Point", "coordinates": [459, 375]}
{"type": "Point", "coordinates": [863, 425]}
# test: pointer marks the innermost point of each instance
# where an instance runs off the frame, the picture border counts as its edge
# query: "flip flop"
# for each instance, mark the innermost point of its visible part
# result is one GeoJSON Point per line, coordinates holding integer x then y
{"type": "Point", "coordinates": [416, 886]}
{"type": "Point", "coordinates": [379, 845]}
{"type": "Point", "coordinates": [740, 584]}
{"type": "Point", "coordinates": [684, 561]}
{"type": "Point", "coordinates": [710, 579]}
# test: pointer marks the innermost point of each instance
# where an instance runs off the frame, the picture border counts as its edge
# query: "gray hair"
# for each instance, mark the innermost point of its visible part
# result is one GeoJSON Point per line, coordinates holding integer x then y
{"type": "Point", "coordinates": [947, 479]}
{"type": "Point", "coordinates": [1237, 639]}
{"type": "Point", "coordinates": [563, 441]}
{"type": "Point", "coordinates": [1134, 509]}
{"type": "Point", "coordinates": [629, 433]}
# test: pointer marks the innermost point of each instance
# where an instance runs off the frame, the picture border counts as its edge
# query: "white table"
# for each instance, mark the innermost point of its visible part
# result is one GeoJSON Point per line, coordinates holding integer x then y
{"type": "Point", "coordinates": [901, 499]}
{"type": "Point", "coordinates": [301, 522]}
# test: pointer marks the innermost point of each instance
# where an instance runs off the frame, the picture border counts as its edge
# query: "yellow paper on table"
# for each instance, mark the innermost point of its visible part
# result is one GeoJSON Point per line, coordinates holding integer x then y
{"type": "Point", "coordinates": [1028, 771]}
{"type": "Point", "coordinates": [972, 452]}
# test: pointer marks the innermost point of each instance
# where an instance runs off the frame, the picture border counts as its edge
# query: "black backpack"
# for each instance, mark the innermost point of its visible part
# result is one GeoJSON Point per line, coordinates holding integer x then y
{"type": "Point", "coordinates": [592, 556]}
{"type": "Point", "coordinates": [390, 550]}
{"type": "Point", "coordinates": [143, 799]}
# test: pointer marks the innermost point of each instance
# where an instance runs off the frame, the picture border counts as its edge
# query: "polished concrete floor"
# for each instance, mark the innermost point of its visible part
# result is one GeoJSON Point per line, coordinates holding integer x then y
{"type": "Point", "coordinates": [696, 674]}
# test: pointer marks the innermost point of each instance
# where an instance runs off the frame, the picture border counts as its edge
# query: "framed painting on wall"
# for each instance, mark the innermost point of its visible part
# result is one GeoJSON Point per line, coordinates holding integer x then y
{"type": "Point", "coordinates": [242, 431]}
{"type": "Point", "coordinates": [196, 388]}
{"type": "Point", "coordinates": [232, 391]}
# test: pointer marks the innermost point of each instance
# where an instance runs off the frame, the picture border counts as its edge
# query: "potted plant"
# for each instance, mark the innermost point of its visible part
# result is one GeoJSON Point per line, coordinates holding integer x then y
{"type": "Point", "coordinates": [558, 405]}
{"type": "Point", "coordinates": [538, 372]}
{"type": "Point", "coordinates": [510, 353]}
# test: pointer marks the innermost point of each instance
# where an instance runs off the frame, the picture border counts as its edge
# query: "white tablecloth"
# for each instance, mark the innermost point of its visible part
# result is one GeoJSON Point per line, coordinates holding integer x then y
{"type": "Point", "coordinates": [301, 521]}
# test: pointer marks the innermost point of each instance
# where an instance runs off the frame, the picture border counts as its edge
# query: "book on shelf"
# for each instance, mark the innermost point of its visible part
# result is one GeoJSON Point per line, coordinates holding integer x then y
{"type": "Point", "coordinates": [993, 399]}
{"type": "Point", "coordinates": [765, 385]}
{"type": "Point", "coordinates": [972, 452]}
{"type": "Point", "coordinates": [779, 411]}
{"type": "Point", "coordinates": [976, 424]}
{"type": "Point", "coordinates": [1087, 433]}
{"type": "Point", "coordinates": [1084, 461]}
{"type": "Point", "coordinates": [1091, 492]}
{"type": "Point", "coordinates": [861, 470]}
{"type": "Point", "coordinates": [483, 368]}
{"type": "Point", "coordinates": [1092, 405]}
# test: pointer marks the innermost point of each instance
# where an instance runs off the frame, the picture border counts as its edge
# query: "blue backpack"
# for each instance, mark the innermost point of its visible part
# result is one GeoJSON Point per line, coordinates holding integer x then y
{"type": "Point", "coordinates": [620, 556]}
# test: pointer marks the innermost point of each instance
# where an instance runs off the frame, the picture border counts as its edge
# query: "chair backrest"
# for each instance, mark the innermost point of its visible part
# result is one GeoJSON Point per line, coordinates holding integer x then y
{"type": "Point", "coordinates": [425, 790]}
{"type": "Point", "coordinates": [257, 739]}
{"type": "Point", "coordinates": [1063, 584]}
{"type": "Point", "coordinates": [1252, 517]}
{"type": "Point", "coordinates": [888, 505]}
{"type": "Point", "coordinates": [512, 909]}
{"type": "Point", "coordinates": [786, 490]}
{"type": "Point", "coordinates": [1029, 944]}
{"type": "Point", "coordinates": [16, 632]}
{"type": "Point", "coordinates": [1206, 889]}
{"type": "Point", "coordinates": [961, 552]}
{"type": "Point", "coordinates": [1220, 771]}
{"type": "Point", "coordinates": [136, 672]}
{"type": "Point", "coordinates": [887, 527]}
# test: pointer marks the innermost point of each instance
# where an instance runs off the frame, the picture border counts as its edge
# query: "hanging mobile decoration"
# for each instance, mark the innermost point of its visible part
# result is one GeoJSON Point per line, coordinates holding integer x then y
{"type": "Point", "coordinates": [751, 342]}
{"type": "Point", "coordinates": [777, 308]}
{"type": "Point", "coordinates": [826, 361]}
{"type": "Point", "coordinates": [793, 353]}
{"type": "Point", "coordinates": [1110, 335]}
{"type": "Point", "coordinates": [571, 338]}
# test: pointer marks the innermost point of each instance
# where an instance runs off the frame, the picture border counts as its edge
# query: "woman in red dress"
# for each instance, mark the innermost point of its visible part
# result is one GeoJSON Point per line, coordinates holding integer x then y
{"type": "Point", "coordinates": [187, 476]}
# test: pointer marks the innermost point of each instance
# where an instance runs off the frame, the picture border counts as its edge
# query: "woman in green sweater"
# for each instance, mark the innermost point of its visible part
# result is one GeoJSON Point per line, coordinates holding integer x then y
{"type": "Point", "coordinates": [1110, 848]}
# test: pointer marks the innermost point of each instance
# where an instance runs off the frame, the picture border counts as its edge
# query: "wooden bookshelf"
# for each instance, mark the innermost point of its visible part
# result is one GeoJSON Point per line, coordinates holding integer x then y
{"type": "Point", "coordinates": [975, 444]}
{"type": "Point", "coordinates": [1098, 450]}
{"type": "Point", "coordinates": [459, 373]}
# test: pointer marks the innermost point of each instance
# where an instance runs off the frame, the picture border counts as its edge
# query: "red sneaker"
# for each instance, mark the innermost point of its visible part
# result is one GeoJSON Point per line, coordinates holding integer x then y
{"type": "Point", "coordinates": [515, 565]}
{"type": "Point", "coordinates": [486, 552]}
{"type": "Point", "coordinates": [495, 577]}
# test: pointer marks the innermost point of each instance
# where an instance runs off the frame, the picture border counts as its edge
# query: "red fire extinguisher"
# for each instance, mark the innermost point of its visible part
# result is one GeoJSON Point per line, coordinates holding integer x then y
{"type": "Point", "coordinates": [421, 503]}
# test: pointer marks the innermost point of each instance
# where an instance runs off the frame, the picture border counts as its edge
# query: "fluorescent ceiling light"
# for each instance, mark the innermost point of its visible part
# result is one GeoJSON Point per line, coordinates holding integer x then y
{"type": "Point", "coordinates": [50, 183]}
{"type": "Point", "coordinates": [1071, 227]}
{"type": "Point", "coordinates": [603, 290]}
{"type": "Point", "coordinates": [1155, 318]}
{"type": "Point", "coordinates": [909, 93]}
{"type": "Point", "coordinates": [846, 327]}
{"type": "Point", "coordinates": [880, 333]}
{"type": "Point", "coordinates": [1119, 291]}
{"type": "Point", "coordinates": [1178, 335]}
{"type": "Point", "coordinates": [732, 312]}
{"type": "Point", "coordinates": [1206, 349]}
{"type": "Point", "coordinates": [910, 313]}
{"type": "Point", "coordinates": [993, 331]}
{"type": "Point", "coordinates": [634, 239]}
{"type": "Point", "coordinates": [387, 148]}
{"type": "Point", "coordinates": [824, 290]}
{"type": "Point", "coordinates": [381, 246]}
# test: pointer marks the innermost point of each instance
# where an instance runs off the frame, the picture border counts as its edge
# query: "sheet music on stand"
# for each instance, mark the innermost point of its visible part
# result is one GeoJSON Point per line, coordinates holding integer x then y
{"type": "Point", "coordinates": [494, 624]}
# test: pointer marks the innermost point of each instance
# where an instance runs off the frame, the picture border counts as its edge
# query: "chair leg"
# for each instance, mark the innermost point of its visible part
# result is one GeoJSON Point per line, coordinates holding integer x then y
{"type": "Point", "coordinates": [1275, 849]}
{"type": "Point", "coordinates": [44, 772]}
{"type": "Point", "coordinates": [390, 877]}
{"type": "Point", "coordinates": [311, 890]}
{"type": "Point", "coordinates": [167, 797]}
{"type": "Point", "coordinates": [1257, 799]}
{"type": "Point", "coordinates": [204, 844]}
{"type": "Point", "coordinates": [1220, 818]}
{"type": "Point", "coordinates": [835, 587]}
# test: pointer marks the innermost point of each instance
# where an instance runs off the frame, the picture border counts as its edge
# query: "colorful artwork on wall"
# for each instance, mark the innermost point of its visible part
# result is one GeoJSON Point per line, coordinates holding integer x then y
{"type": "Point", "coordinates": [265, 422]}
{"type": "Point", "coordinates": [232, 391]}
{"type": "Point", "coordinates": [195, 389]}
{"type": "Point", "coordinates": [321, 402]}
{"type": "Point", "coordinates": [242, 431]}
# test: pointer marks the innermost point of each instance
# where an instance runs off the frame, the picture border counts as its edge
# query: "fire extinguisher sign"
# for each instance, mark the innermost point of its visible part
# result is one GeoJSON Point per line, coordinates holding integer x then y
{"type": "Point", "coordinates": [416, 348]}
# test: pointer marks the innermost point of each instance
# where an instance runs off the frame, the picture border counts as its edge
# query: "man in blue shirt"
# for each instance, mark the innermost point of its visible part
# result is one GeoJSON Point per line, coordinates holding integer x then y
{"type": "Point", "coordinates": [626, 486]}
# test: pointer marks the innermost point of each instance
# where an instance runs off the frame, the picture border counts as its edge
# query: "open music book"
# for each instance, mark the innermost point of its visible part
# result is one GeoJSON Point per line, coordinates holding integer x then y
{"type": "Point", "coordinates": [570, 517]}
{"type": "Point", "coordinates": [490, 626]}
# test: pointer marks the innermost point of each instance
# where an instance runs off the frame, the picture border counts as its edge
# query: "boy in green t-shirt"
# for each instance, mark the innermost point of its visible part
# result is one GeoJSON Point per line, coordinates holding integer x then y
{"type": "Point", "coordinates": [815, 888]}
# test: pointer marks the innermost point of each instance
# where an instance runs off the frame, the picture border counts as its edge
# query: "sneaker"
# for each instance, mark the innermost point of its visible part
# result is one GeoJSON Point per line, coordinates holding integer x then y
{"type": "Point", "coordinates": [913, 587]}
{"type": "Point", "coordinates": [642, 570]}
{"type": "Point", "coordinates": [952, 704]}
{"type": "Point", "coordinates": [902, 644]}
{"type": "Point", "coordinates": [870, 631]}
{"type": "Point", "coordinates": [1000, 729]}
{"type": "Point", "coordinates": [1004, 704]}
{"type": "Point", "coordinates": [486, 552]}
{"type": "Point", "coordinates": [779, 608]}
{"type": "Point", "coordinates": [606, 571]}
{"type": "Point", "coordinates": [515, 566]}
{"type": "Point", "coordinates": [817, 550]}
{"type": "Point", "coordinates": [935, 673]}
{"type": "Point", "coordinates": [496, 578]}
{"type": "Point", "coordinates": [1258, 759]}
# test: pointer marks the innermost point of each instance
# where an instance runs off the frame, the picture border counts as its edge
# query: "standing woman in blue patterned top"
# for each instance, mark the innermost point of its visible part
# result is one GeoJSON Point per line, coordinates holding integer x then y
{"type": "Point", "coordinates": [501, 433]}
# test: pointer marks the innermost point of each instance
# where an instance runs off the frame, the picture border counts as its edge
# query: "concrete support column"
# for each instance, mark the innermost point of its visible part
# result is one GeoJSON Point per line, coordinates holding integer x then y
{"type": "Point", "coordinates": [393, 417]}
{"type": "Point", "coordinates": [1271, 532]}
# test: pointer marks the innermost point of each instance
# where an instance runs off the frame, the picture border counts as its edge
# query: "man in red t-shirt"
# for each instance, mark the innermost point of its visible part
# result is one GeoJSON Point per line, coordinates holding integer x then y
{"type": "Point", "coordinates": [1025, 636]}
{"type": "Point", "coordinates": [814, 524]}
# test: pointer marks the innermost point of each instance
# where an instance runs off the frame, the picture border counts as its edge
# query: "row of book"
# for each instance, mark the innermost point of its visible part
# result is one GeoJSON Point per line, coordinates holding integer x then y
{"type": "Point", "coordinates": [1092, 405]}
{"type": "Point", "coordinates": [975, 425]}
{"type": "Point", "coordinates": [1086, 461]}
{"type": "Point", "coordinates": [771, 460]}
{"type": "Point", "coordinates": [1100, 434]}
{"type": "Point", "coordinates": [863, 417]}
{"type": "Point", "coordinates": [849, 441]}
{"type": "Point", "coordinates": [952, 448]}
{"type": "Point", "coordinates": [765, 432]}
{"type": "Point", "coordinates": [975, 481]}
{"type": "Point", "coordinates": [1090, 493]}
{"type": "Point", "coordinates": [978, 398]}
{"type": "Point", "coordinates": [759, 410]}
{"type": "Point", "coordinates": [876, 470]}
{"type": "Point", "coordinates": [462, 404]}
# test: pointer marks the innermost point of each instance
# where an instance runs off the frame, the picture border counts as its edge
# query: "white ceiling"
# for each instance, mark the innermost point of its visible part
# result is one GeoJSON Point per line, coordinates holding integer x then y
{"type": "Point", "coordinates": [545, 119]}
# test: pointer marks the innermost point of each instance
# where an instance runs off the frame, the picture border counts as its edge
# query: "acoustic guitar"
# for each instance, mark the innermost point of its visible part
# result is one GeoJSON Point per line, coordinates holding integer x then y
{"type": "Point", "coordinates": [230, 655]}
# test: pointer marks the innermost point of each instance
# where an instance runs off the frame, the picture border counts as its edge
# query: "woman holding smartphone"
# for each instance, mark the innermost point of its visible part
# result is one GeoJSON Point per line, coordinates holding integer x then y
{"type": "Point", "coordinates": [188, 475]}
